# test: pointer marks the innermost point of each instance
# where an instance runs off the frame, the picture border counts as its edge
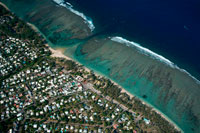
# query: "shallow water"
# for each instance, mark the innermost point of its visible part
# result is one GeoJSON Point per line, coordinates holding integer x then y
{"type": "Point", "coordinates": [168, 89]}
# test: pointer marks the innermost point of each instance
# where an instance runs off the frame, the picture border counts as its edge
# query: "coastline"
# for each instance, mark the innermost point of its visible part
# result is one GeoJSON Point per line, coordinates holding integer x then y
{"type": "Point", "coordinates": [4, 6]}
{"type": "Point", "coordinates": [59, 53]}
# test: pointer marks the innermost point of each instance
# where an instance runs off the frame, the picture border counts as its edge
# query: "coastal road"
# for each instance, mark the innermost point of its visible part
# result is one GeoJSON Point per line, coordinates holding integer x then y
{"type": "Point", "coordinates": [90, 87]}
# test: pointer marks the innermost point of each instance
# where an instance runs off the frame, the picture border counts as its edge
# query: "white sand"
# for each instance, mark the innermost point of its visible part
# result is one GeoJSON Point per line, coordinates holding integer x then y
{"type": "Point", "coordinates": [58, 53]}
{"type": "Point", "coordinates": [4, 6]}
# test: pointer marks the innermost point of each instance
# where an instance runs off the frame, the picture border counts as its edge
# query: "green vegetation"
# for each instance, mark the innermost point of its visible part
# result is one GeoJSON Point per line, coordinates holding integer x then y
{"type": "Point", "coordinates": [17, 28]}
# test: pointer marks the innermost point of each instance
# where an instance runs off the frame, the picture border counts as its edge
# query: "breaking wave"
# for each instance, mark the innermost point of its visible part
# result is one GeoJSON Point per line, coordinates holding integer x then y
{"type": "Point", "coordinates": [87, 20]}
{"type": "Point", "coordinates": [150, 54]}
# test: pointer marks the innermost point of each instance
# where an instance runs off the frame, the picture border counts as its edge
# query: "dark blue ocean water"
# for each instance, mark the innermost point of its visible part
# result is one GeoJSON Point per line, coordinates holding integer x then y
{"type": "Point", "coordinates": [170, 28]}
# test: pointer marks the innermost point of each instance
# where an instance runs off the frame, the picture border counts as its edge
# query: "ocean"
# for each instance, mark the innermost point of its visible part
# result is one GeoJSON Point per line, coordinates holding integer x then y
{"type": "Point", "coordinates": [169, 28]}
{"type": "Point", "coordinates": [144, 46]}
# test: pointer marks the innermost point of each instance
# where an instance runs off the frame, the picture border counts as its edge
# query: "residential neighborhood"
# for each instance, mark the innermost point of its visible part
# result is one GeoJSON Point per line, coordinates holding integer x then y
{"type": "Point", "coordinates": [45, 94]}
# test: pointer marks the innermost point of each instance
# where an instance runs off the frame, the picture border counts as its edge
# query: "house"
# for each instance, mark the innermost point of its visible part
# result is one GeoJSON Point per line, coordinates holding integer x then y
{"type": "Point", "coordinates": [35, 126]}
{"type": "Point", "coordinates": [91, 118]}
{"type": "Point", "coordinates": [71, 128]}
{"type": "Point", "coordinates": [146, 121]}
{"type": "Point", "coordinates": [99, 130]}
{"type": "Point", "coordinates": [115, 126]}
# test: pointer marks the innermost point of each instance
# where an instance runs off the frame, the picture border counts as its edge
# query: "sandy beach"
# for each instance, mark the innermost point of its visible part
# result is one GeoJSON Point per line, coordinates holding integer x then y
{"type": "Point", "coordinates": [59, 53]}
{"type": "Point", "coordinates": [4, 6]}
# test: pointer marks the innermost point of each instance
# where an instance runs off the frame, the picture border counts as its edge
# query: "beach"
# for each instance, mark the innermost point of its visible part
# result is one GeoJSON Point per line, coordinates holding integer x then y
{"type": "Point", "coordinates": [4, 6]}
{"type": "Point", "coordinates": [59, 53]}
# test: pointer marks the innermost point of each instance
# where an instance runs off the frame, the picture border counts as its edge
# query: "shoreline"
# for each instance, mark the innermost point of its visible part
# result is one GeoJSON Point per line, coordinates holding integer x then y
{"type": "Point", "coordinates": [59, 53]}
{"type": "Point", "coordinates": [4, 6]}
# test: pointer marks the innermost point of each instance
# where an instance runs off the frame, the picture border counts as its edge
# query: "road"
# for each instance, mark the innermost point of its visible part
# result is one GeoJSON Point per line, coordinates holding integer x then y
{"type": "Point", "coordinates": [90, 87]}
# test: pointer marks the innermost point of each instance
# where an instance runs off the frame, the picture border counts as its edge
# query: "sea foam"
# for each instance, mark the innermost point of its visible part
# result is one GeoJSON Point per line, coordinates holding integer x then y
{"type": "Point", "coordinates": [150, 54]}
{"type": "Point", "coordinates": [87, 20]}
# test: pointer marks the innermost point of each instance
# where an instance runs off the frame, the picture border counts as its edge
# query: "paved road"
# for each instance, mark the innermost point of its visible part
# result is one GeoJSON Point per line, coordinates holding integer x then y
{"type": "Point", "coordinates": [90, 87]}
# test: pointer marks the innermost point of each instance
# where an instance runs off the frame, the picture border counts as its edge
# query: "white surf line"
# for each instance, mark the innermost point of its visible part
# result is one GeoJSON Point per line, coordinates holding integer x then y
{"type": "Point", "coordinates": [151, 54]}
{"type": "Point", "coordinates": [67, 5]}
